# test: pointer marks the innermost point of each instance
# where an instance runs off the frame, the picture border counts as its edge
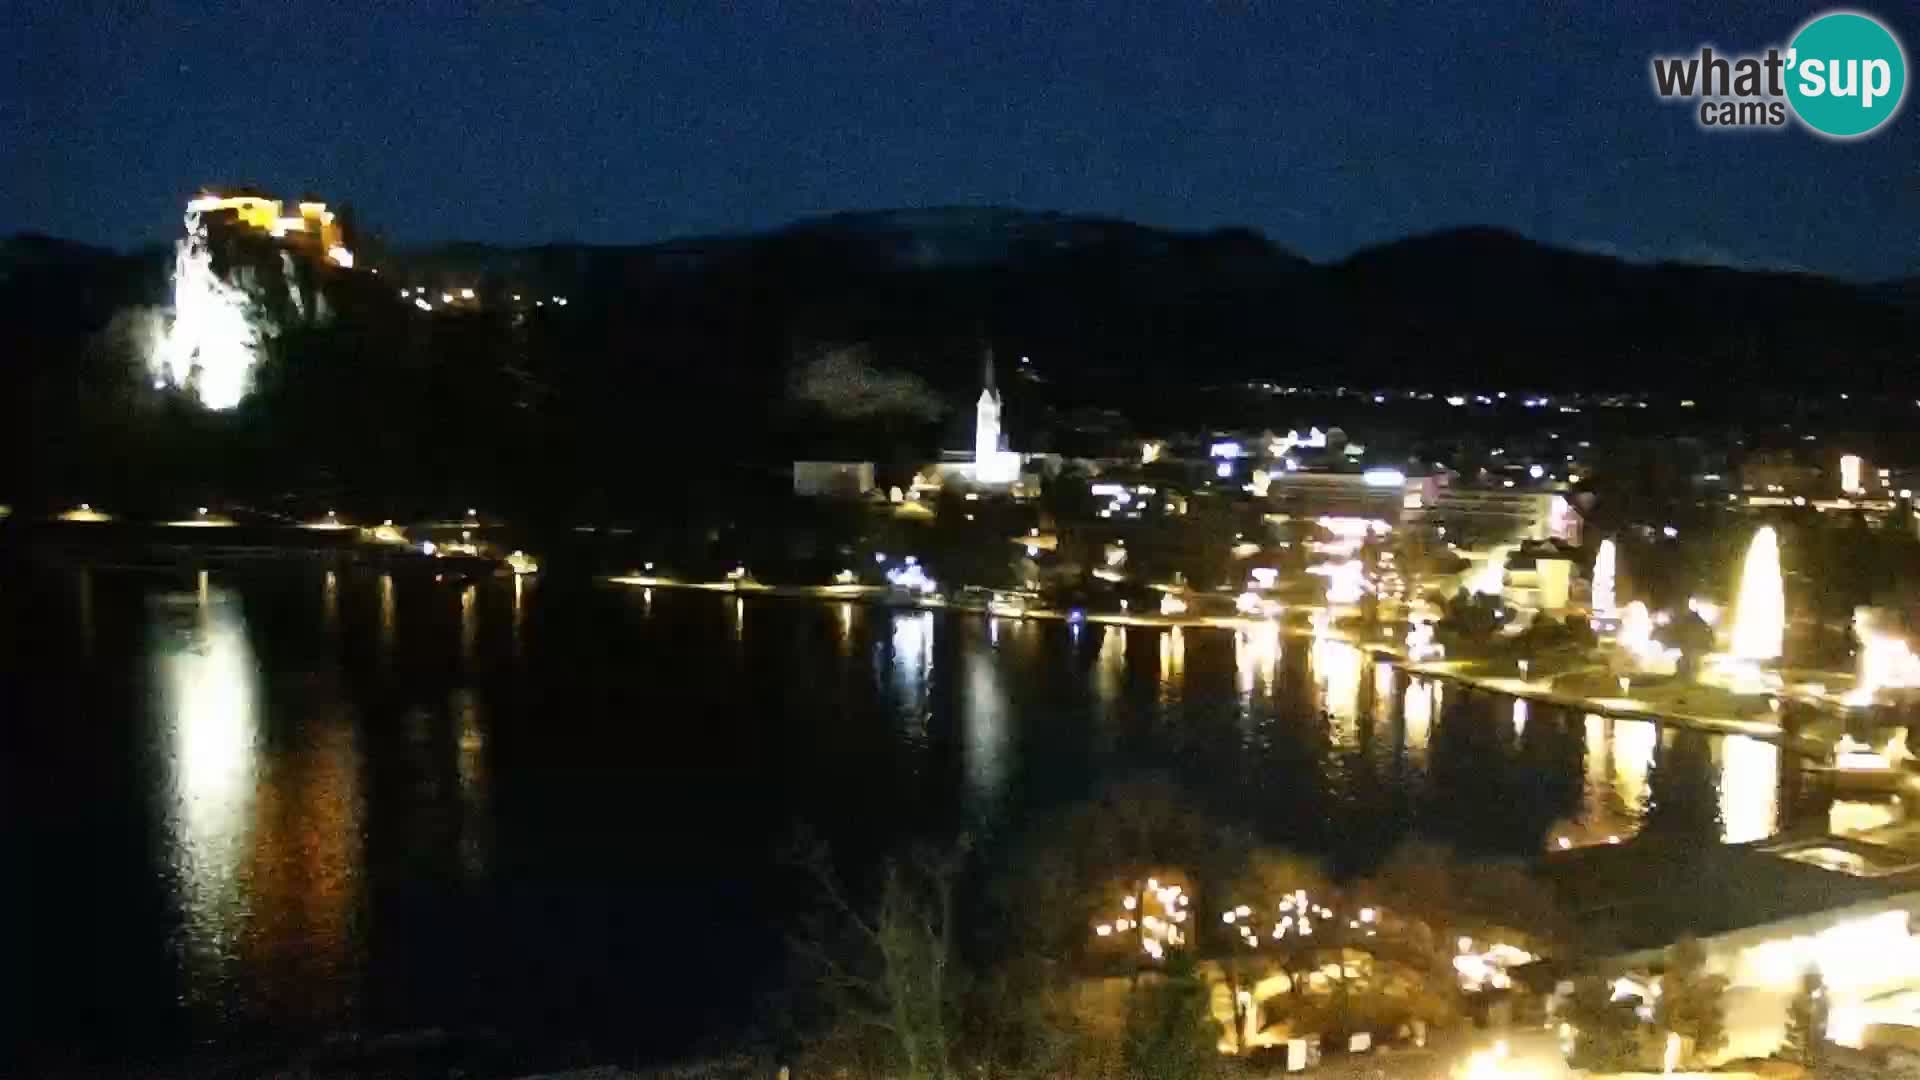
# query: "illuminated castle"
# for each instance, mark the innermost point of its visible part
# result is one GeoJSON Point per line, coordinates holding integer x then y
{"type": "Point", "coordinates": [315, 228]}
{"type": "Point", "coordinates": [213, 342]}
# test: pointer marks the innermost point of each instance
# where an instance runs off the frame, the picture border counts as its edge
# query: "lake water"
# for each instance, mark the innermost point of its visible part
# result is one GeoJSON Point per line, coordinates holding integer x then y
{"type": "Point", "coordinates": [261, 808]}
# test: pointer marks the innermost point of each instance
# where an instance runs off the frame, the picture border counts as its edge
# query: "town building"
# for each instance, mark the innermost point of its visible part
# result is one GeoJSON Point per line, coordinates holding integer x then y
{"type": "Point", "coordinates": [1764, 915]}
{"type": "Point", "coordinates": [832, 479]}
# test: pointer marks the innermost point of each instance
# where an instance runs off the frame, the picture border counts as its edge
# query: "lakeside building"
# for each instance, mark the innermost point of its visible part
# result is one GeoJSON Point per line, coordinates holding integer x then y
{"type": "Point", "coordinates": [1381, 494]}
{"type": "Point", "coordinates": [1764, 914]}
{"type": "Point", "coordinates": [1535, 514]}
{"type": "Point", "coordinates": [1390, 496]}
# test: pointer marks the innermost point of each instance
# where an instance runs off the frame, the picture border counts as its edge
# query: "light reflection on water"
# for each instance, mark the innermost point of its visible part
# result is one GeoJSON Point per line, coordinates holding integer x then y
{"type": "Point", "coordinates": [1173, 664]}
{"type": "Point", "coordinates": [389, 628]}
{"type": "Point", "coordinates": [1749, 789]}
{"type": "Point", "coordinates": [1111, 665]}
{"type": "Point", "coordinates": [470, 749]}
{"type": "Point", "coordinates": [844, 622]}
{"type": "Point", "coordinates": [1631, 750]}
{"type": "Point", "coordinates": [912, 670]}
{"type": "Point", "coordinates": [295, 798]}
{"type": "Point", "coordinates": [1421, 701]}
{"type": "Point", "coordinates": [469, 625]}
{"type": "Point", "coordinates": [1385, 677]}
{"type": "Point", "coordinates": [1256, 656]}
{"type": "Point", "coordinates": [984, 724]}
{"type": "Point", "coordinates": [208, 683]}
{"type": "Point", "coordinates": [1336, 675]}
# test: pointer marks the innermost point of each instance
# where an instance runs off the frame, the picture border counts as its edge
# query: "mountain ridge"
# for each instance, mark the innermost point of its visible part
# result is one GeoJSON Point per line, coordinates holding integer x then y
{"type": "Point", "coordinates": [1102, 298]}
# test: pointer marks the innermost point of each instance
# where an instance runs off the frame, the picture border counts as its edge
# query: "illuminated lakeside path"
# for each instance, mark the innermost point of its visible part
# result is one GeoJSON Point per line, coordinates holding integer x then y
{"type": "Point", "coordinates": [1623, 707]}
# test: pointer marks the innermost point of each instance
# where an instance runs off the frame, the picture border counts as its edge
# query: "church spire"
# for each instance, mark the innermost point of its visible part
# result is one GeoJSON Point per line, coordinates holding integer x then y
{"type": "Point", "coordinates": [986, 369]}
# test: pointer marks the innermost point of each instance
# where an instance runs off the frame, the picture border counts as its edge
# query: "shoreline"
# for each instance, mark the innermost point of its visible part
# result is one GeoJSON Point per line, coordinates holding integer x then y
{"type": "Point", "coordinates": [1613, 707]}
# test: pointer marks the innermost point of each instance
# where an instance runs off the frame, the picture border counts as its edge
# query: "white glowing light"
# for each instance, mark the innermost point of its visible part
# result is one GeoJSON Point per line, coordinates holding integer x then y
{"type": "Point", "coordinates": [341, 257]}
{"type": "Point", "coordinates": [1346, 581]}
{"type": "Point", "coordinates": [1887, 661]}
{"type": "Point", "coordinates": [1172, 605]}
{"type": "Point", "coordinates": [1489, 968]}
{"type": "Point", "coordinates": [1420, 643]}
{"type": "Point", "coordinates": [1760, 610]}
{"type": "Point", "coordinates": [911, 577]}
{"type": "Point", "coordinates": [1491, 578]}
{"type": "Point", "coordinates": [1636, 637]}
{"type": "Point", "coordinates": [1603, 573]}
{"type": "Point", "coordinates": [1384, 478]}
{"type": "Point", "coordinates": [1850, 474]}
{"type": "Point", "coordinates": [991, 464]}
{"type": "Point", "coordinates": [213, 344]}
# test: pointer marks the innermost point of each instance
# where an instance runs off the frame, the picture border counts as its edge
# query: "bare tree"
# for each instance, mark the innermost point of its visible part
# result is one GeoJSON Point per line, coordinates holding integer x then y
{"type": "Point", "coordinates": [892, 968]}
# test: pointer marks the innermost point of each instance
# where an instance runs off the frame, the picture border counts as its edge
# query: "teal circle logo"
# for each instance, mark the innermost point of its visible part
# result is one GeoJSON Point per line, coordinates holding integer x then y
{"type": "Point", "coordinates": [1846, 74]}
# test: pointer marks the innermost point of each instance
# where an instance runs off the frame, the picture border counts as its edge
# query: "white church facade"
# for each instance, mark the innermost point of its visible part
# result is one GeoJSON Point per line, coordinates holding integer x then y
{"type": "Point", "coordinates": [994, 466]}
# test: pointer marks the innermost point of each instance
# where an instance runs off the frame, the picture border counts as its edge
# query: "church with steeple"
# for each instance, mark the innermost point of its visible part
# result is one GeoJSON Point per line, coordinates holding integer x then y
{"type": "Point", "coordinates": [990, 467]}
{"type": "Point", "coordinates": [993, 464]}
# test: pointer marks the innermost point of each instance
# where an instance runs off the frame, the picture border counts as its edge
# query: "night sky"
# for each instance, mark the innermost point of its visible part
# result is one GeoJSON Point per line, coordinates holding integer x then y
{"type": "Point", "coordinates": [1328, 128]}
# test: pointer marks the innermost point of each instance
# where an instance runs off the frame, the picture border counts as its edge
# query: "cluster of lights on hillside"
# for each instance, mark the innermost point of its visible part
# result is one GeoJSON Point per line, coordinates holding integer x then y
{"type": "Point", "coordinates": [463, 297]}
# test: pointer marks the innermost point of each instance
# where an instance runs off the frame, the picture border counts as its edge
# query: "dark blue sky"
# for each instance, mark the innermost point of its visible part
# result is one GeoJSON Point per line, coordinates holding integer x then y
{"type": "Point", "coordinates": [1326, 127]}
